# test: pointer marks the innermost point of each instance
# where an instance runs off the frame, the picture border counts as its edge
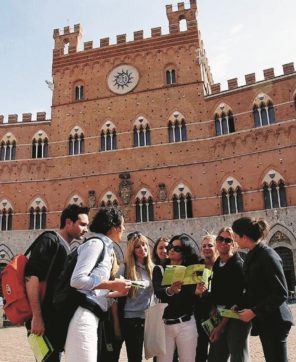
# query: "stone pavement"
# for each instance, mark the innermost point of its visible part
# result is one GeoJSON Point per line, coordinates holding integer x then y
{"type": "Point", "coordinates": [14, 347]}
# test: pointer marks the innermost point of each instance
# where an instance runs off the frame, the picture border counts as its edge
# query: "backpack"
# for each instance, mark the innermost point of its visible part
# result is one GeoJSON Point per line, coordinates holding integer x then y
{"type": "Point", "coordinates": [66, 299]}
{"type": "Point", "coordinates": [17, 307]}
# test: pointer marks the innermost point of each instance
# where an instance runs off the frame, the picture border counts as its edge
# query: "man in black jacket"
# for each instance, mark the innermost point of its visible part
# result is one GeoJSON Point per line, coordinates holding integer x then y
{"type": "Point", "coordinates": [50, 254]}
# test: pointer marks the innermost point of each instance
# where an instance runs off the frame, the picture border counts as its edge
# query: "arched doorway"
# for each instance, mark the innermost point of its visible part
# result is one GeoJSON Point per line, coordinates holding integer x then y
{"type": "Point", "coordinates": [288, 264]}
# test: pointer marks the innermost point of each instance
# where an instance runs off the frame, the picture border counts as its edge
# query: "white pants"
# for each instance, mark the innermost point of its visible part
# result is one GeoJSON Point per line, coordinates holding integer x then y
{"type": "Point", "coordinates": [82, 338]}
{"type": "Point", "coordinates": [184, 336]}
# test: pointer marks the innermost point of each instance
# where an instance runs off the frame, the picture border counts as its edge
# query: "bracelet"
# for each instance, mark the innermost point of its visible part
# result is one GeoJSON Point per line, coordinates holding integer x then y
{"type": "Point", "coordinates": [167, 292]}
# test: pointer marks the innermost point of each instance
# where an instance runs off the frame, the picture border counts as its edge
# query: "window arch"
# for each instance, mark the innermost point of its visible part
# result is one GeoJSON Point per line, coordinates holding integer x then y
{"type": "Point", "coordinates": [76, 141]}
{"type": "Point", "coordinates": [40, 145]}
{"type": "Point", "coordinates": [182, 23]}
{"type": "Point", "coordinates": [108, 137]}
{"type": "Point", "coordinates": [177, 128]}
{"type": "Point", "coordinates": [79, 92]}
{"type": "Point", "coordinates": [37, 215]}
{"type": "Point", "coordinates": [263, 111]}
{"type": "Point", "coordinates": [182, 202]}
{"type": "Point", "coordinates": [231, 197]}
{"type": "Point", "coordinates": [141, 132]}
{"type": "Point", "coordinates": [170, 76]}
{"type": "Point", "coordinates": [224, 121]}
{"type": "Point", "coordinates": [274, 190]}
{"type": "Point", "coordinates": [5, 215]}
{"type": "Point", "coordinates": [144, 206]}
{"type": "Point", "coordinates": [109, 200]}
{"type": "Point", "coordinates": [8, 148]}
{"type": "Point", "coordinates": [75, 199]}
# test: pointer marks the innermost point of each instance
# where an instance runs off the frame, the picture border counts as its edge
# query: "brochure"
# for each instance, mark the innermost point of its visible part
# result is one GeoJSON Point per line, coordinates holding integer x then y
{"type": "Point", "coordinates": [191, 274]}
{"type": "Point", "coordinates": [228, 313]}
{"type": "Point", "coordinates": [210, 324]}
{"type": "Point", "coordinates": [40, 346]}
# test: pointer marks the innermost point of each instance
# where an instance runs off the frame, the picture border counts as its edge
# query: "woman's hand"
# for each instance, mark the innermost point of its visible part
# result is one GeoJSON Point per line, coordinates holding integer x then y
{"type": "Point", "coordinates": [200, 288]}
{"type": "Point", "coordinates": [216, 332]}
{"type": "Point", "coordinates": [121, 286]}
{"type": "Point", "coordinates": [175, 288]}
{"type": "Point", "coordinates": [246, 315]}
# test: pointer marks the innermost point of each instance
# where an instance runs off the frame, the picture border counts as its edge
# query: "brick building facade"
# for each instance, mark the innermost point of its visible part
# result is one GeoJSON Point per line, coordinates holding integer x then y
{"type": "Point", "coordinates": [141, 124]}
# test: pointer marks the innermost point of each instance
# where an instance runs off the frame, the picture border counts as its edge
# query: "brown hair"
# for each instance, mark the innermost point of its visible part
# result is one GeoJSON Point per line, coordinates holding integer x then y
{"type": "Point", "coordinates": [254, 228]}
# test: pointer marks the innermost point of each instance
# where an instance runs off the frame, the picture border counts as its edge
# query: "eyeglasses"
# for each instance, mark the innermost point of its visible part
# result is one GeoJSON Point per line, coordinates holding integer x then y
{"type": "Point", "coordinates": [132, 235]}
{"type": "Point", "coordinates": [225, 240]}
{"type": "Point", "coordinates": [176, 248]}
{"type": "Point", "coordinates": [208, 246]}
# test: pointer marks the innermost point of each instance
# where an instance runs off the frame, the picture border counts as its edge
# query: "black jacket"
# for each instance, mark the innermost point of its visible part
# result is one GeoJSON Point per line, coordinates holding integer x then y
{"type": "Point", "coordinates": [266, 286]}
{"type": "Point", "coordinates": [228, 282]}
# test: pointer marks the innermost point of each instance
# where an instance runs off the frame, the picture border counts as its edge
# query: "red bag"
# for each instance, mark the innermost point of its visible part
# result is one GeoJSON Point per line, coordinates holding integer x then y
{"type": "Point", "coordinates": [17, 307]}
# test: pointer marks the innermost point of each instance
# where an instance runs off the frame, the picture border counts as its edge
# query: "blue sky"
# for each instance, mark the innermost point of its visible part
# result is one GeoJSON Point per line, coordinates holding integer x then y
{"type": "Point", "coordinates": [240, 37]}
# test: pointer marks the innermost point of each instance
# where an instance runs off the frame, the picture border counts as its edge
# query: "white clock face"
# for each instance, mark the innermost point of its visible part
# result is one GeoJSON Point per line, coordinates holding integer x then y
{"type": "Point", "coordinates": [123, 79]}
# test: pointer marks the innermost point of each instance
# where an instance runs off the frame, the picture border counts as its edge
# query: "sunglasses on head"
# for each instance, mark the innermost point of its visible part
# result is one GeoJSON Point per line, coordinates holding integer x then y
{"type": "Point", "coordinates": [134, 234]}
{"type": "Point", "coordinates": [225, 240]}
{"type": "Point", "coordinates": [176, 248]}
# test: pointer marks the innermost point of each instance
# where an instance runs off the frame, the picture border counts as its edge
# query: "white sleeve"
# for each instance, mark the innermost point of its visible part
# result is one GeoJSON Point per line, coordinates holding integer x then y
{"type": "Point", "coordinates": [88, 254]}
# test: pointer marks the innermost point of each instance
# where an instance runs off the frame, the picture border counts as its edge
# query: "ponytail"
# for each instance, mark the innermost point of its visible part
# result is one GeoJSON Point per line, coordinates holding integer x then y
{"type": "Point", "coordinates": [253, 228]}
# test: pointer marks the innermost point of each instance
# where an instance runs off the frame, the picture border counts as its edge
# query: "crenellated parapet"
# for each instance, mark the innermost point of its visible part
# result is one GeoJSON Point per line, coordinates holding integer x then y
{"type": "Point", "coordinates": [250, 79]}
{"type": "Point", "coordinates": [26, 118]}
{"type": "Point", "coordinates": [67, 40]}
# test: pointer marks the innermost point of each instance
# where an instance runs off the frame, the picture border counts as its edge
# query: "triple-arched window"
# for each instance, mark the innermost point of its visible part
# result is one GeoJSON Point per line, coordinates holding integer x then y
{"type": "Point", "coordinates": [141, 133]}
{"type": "Point", "coordinates": [108, 137]}
{"type": "Point", "coordinates": [263, 111]}
{"type": "Point", "coordinates": [144, 206]}
{"type": "Point", "coordinates": [8, 148]}
{"type": "Point", "coordinates": [182, 202]}
{"type": "Point", "coordinates": [177, 128]}
{"type": "Point", "coordinates": [76, 141]}
{"type": "Point", "coordinates": [274, 190]}
{"type": "Point", "coordinates": [37, 215]}
{"type": "Point", "coordinates": [232, 197]}
{"type": "Point", "coordinates": [109, 200]}
{"type": "Point", "coordinates": [40, 145]}
{"type": "Point", "coordinates": [5, 215]}
{"type": "Point", "coordinates": [224, 121]}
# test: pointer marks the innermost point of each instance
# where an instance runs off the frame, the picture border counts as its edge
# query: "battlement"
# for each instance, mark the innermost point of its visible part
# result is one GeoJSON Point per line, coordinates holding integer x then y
{"type": "Point", "coordinates": [26, 118]}
{"type": "Point", "coordinates": [250, 79]}
{"type": "Point", "coordinates": [67, 41]}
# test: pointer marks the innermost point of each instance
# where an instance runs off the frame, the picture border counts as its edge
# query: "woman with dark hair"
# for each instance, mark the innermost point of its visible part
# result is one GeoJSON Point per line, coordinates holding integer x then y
{"type": "Point", "coordinates": [160, 252]}
{"type": "Point", "coordinates": [180, 325]}
{"type": "Point", "coordinates": [266, 289]}
{"type": "Point", "coordinates": [230, 337]}
{"type": "Point", "coordinates": [94, 281]}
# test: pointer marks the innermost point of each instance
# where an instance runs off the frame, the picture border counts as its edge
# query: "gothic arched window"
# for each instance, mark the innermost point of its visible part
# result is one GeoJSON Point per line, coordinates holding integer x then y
{"type": "Point", "coordinates": [37, 215]}
{"type": "Point", "coordinates": [40, 145]}
{"type": "Point", "coordinates": [5, 216]}
{"type": "Point", "coordinates": [263, 111]}
{"type": "Point", "coordinates": [177, 128]}
{"type": "Point", "coordinates": [182, 203]}
{"type": "Point", "coordinates": [144, 206]}
{"type": "Point", "coordinates": [141, 133]}
{"type": "Point", "coordinates": [108, 137]}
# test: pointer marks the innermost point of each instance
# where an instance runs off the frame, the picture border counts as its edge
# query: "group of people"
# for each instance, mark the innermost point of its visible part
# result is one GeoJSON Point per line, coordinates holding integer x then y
{"type": "Point", "coordinates": [256, 288]}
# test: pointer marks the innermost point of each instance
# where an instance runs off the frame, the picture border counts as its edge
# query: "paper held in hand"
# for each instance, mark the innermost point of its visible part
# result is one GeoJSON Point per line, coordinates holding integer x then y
{"type": "Point", "coordinates": [228, 313]}
{"type": "Point", "coordinates": [40, 346]}
{"type": "Point", "coordinates": [191, 274]}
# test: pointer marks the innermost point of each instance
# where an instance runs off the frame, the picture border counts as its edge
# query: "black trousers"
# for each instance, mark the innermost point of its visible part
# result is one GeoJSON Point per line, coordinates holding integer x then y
{"type": "Point", "coordinates": [274, 342]}
{"type": "Point", "coordinates": [133, 333]}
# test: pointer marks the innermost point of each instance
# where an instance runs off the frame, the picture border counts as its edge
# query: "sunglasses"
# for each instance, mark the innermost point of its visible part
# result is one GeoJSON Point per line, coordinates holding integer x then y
{"type": "Point", "coordinates": [133, 235]}
{"type": "Point", "coordinates": [176, 248]}
{"type": "Point", "coordinates": [225, 240]}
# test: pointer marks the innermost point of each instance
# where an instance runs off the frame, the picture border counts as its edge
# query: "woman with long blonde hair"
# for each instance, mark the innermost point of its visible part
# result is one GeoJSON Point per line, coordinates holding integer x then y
{"type": "Point", "coordinates": [138, 266]}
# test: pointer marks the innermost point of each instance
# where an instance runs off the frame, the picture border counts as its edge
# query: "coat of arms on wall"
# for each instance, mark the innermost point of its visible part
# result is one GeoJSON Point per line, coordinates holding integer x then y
{"type": "Point", "coordinates": [162, 192]}
{"type": "Point", "coordinates": [125, 187]}
{"type": "Point", "coordinates": [91, 198]}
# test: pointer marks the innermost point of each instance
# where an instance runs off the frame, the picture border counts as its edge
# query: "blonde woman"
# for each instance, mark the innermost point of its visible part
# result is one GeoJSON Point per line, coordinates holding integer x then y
{"type": "Point", "coordinates": [209, 255]}
{"type": "Point", "coordinates": [230, 337]}
{"type": "Point", "coordinates": [138, 266]}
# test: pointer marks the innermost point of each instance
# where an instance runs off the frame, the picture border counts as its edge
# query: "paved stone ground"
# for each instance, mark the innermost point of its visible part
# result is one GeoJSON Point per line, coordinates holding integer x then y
{"type": "Point", "coordinates": [14, 347]}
